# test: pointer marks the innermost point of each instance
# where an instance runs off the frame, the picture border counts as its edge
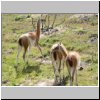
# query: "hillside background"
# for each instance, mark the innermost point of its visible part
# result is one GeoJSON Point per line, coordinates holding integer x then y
{"type": "Point", "coordinates": [77, 32]}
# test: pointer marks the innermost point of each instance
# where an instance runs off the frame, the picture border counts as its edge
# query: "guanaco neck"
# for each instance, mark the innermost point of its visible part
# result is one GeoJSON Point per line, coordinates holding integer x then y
{"type": "Point", "coordinates": [38, 30]}
{"type": "Point", "coordinates": [65, 53]}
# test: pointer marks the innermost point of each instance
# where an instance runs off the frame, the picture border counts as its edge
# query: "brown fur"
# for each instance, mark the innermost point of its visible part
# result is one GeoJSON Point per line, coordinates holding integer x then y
{"type": "Point", "coordinates": [20, 42]}
{"type": "Point", "coordinates": [23, 41]}
{"type": "Point", "coordinates": [72, 60]}
{"type": "Point", "coordinates": [38, 30]}
{"type": "Point", "coordinates": [57, 54]}
{"type": "Point", "coordinates": [32, 35]}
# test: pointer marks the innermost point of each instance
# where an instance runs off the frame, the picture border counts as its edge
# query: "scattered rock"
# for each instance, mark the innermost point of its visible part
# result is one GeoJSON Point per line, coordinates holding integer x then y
{"type": "Point", "coordinates": [43, 61]}
{"type": "Point", "coordinates": [5, 82]}
{"type": "Point", "coordinates": [46, 62]}
{"type": "Point", "coordinates": [45, 83]}
{"type": "Point", "coordinates": [82, 65]}
{"type": "Point", "coordinates": [46, 33]}
{"type": "Point", "coordinates": [53, 30]}
{"type": "Point", "coordinates": [81, 68]}
{"type": "Point", "coordinates": [92, 40]}
{"type": "Point", "coordinates": [84, 17]}
{"type": "Point", "coordinates": [42, 35]}
{"type": "Point", "coordinates": [93, 35]}
{"type": "Point", "coordinates": [27, 82]}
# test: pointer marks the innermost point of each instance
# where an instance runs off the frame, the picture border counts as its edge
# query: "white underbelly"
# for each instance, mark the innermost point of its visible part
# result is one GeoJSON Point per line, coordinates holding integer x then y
{"type": "Point", "coordinates": [32, 42]}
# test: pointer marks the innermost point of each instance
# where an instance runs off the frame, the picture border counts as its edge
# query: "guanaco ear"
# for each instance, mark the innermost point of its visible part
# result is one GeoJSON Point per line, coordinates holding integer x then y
{"type": "Point", "coordinates": [60, 43]}
{"type": "Point", "coordinates": [38, 21]}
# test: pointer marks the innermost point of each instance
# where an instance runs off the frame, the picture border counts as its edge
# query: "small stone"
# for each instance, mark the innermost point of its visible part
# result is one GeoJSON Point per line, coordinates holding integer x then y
{"type": "Point", "coordinates": [81, 68]}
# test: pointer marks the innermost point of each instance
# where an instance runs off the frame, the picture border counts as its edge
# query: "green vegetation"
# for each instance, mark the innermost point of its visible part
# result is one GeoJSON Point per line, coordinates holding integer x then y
{"type": "Point", "coordinates": [77, 36]}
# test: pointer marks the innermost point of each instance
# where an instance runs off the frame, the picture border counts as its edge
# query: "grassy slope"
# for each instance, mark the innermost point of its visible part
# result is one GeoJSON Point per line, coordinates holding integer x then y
{"type": "Point", "coordinates": [36, 71]}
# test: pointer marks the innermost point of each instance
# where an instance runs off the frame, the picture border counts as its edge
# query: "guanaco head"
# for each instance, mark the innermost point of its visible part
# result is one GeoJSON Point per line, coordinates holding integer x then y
{"type": "Point", "coordinates": [38, 22]}
{"type": "Point", "coordinates": [60, 46]}
{"type": "Point", "coordinates": [62, 49]}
